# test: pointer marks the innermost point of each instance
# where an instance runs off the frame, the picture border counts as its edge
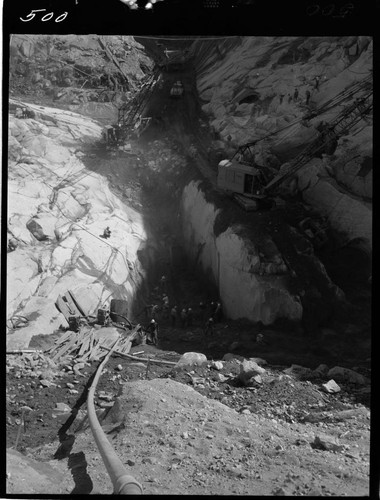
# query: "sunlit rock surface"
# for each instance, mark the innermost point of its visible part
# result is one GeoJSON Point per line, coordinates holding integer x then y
{"type": "Point", "coordinates": [68, 207]}
{"type": "Point", "coordinates": [247, 288]}
{"type": "Point", "coordinates": [247, 89]}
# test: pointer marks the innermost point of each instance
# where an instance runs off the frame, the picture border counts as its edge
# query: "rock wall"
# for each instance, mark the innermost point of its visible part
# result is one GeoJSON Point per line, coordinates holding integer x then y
{"type": "Point", "coordinates": [248, 89]}
{"type": "Point", "coordinates": [57, 209]}
{"type": "Point", "coordinates": [233, 264]}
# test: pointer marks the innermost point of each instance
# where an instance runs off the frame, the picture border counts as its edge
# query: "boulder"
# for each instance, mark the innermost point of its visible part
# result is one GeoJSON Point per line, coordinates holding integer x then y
{"type": "Point", "coordinates": [250, 370]}
{"type": "Point", "coordinates": [331, 387]}
{"type": "Point", "coordinates": [347, 375]}
{"type": "Point", "coordinates": [191, 359]}
{"type": "Point", "coordinates": [61, 409]}
{"type": "Point", "coordinates": [218, 365]}
{"type": "Point", "coordinates": [328, 443]}
{"type": "Point", "coordinates": [36, 230]}
{"type": "Point", "coordinates": [299, 371]}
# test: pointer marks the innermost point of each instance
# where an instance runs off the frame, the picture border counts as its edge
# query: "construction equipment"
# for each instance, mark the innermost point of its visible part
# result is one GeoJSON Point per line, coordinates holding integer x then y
{"type": "Point", "coordinates": [175, 60]}
{"type": "Point", "coordinates": [248, 183]}
{"type": "Point", "coordinates": [131, 117]}
{"type": "Point", "coordinates": [177, 89]}
{"type": "Point", "coordinates": [111, 135]}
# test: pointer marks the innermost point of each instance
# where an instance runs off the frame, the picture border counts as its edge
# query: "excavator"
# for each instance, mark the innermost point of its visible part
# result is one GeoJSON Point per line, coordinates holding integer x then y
{"type": "Point", "coordinates": [253, 186]}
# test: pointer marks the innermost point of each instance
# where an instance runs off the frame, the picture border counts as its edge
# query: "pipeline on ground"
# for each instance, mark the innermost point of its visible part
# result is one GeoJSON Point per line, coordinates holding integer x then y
{"type": "Point", "coordinates": [122, 482]}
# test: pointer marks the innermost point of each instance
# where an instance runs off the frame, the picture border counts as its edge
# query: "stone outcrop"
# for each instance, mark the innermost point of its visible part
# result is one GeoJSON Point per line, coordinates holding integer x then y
{"type": "Point", "coordinates": [56, 211]}
{"type": "Point", "coordinates": [247, 88]}
{"type": "Point", "coordinates": [233, 264]}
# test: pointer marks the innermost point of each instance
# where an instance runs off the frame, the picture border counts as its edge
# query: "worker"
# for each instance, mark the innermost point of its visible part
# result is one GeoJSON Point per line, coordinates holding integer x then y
{"type": "Point", "coordinates": [163, 283]}
{"type": "Point", "coordinates": [117, 133]}
{"type": "Point", "coordinates": [290, 98]}
{"type": "Point", "coordinates": [202, 309]}
{"type": "Point", "coordinates": [173, 315]}
{"type": "Point", "coordinates": [218, 312]}
{"type": "Point", "coordinates": [308, 95]}
{"type": "Point", "coordinates": [316, 84]}
{"type": "Point", "coordinates": [152, 330]}
{"type": "Point", "coordinates": [209, 327]}
{"type": "Point", "coordinates": [18, 113]}
{"type": "Point", "coordinates": [295, 95]}
{"type": "Point", "coordinates": [155, 311]}
{"type": "Point", "coordinates": [260, 338]}
{"type": "Point", "coordinates": [106, 233]}
{"type": "Point", "coordinates": [213, 306]}
{"type": "Point", "coordinates": [165, 306]}
{"type": "Point", "coordinates": [190, 317]}
{"type": "Point", "coordinates": [281, 98]}
{"type": "Point", "coordinates": [165, 310]}
{"type": "Point", "coordinates": [184, 317]}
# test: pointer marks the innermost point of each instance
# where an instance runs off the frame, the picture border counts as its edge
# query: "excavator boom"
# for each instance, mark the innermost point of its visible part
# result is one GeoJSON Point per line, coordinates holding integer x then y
{"type": "Point", "coordinates": [349, 117]}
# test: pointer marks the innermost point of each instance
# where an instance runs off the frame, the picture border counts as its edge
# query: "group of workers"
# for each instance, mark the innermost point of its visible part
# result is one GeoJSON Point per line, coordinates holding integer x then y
{"type": "Point", "coordinates": [24, 113]}
{"type": "Point", "coordinates": [183, 317]}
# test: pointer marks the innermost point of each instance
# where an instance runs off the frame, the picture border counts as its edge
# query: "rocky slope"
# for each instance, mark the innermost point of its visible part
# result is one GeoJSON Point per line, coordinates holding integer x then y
{"type": "Point", "coordinates": [247, 87]}
{"type": "Point", "coordinates": [57, 210]}
{"type": "Point", "coordinates": [78, 71]}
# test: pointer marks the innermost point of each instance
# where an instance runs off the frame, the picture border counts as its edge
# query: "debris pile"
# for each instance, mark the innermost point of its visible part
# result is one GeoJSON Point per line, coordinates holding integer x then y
{"type": "Point", "coordinates": [90, 338]}
{"type": "Point", "coordinates": [91, 344]}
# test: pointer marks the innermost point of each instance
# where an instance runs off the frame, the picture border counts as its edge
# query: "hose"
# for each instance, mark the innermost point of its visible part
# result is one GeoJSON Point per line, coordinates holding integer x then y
{"type": "Point", "coordinates": [123, 483]}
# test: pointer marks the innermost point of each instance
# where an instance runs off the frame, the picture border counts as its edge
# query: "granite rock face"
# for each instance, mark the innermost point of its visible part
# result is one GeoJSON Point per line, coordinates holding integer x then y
{"type": "Point", "coordinates": [253, 86]}
{"type": "Point", "coordinates": [56, 211]}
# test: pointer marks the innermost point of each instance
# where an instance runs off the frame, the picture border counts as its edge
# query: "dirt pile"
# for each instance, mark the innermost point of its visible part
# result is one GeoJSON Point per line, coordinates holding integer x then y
{"type": "Point", "coordinates": [175, 440]}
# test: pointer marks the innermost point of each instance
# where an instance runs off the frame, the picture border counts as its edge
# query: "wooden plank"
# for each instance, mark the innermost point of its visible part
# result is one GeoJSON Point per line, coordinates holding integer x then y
{"type": "Point", "coordinates": [63, 308]}
{"type": "Point", "coordinates": [71, 304]}
{"type": "Point", "coordinates": [64, 337]}
{"type": "Point", "coordinates": [24, 351]}
{"type": "Point", "coordinates": [85, 342]}
{"type": "Point", "coordinates": [84, 345]}
{"type": "Point", "coordinates": [127, 348]}
{"type": "Point", "coordinates": [77, 303]}
{"type": "Point", "coordinates": [94, 350]}
{"type": "Point", "coordinates": [65, 348]}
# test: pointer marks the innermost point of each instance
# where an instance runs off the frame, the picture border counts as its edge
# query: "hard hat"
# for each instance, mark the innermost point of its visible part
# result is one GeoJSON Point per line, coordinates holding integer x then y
{"type": "Point", "coordinates": [152, 321]}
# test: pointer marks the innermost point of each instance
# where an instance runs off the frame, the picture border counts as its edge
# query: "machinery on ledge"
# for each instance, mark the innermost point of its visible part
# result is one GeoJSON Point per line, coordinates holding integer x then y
{"type": "Point", "coordinates": [177, 89]}
{"type": "Point", "coordinates": [253, 186]}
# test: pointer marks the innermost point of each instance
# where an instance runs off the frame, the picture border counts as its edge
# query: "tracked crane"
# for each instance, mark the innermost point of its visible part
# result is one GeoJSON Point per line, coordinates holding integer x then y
{"type": "Point", "coordinates": [250, 185]}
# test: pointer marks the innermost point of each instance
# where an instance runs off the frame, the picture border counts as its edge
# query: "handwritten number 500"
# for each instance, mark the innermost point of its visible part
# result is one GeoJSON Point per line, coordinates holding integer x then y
{"type": "Point", "coordinates": [46, 17]}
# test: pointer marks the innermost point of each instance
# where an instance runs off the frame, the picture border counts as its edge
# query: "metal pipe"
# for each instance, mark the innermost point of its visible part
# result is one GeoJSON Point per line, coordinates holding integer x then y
{"type": "Point", "coordinates": [123, 483]}
{"type": "Point", "coordinates": [144, 360]}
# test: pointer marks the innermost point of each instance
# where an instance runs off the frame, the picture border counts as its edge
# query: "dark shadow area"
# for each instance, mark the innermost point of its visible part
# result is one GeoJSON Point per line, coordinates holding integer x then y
{"type": "Point", "coordinates": [67, 440]}
{"type": "Point", "coordinates": [78, 467]}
